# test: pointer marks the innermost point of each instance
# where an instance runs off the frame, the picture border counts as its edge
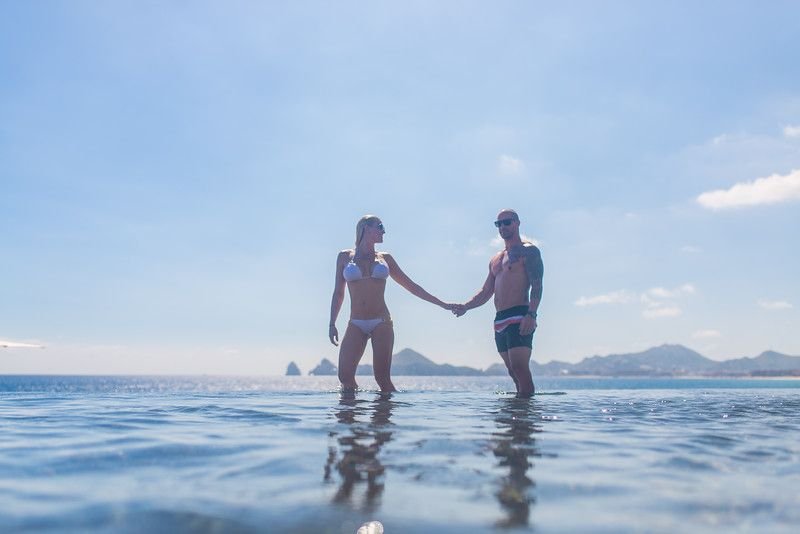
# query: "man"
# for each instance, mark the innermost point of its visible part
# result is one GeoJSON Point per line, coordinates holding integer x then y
{"type": "Point", "coordinates": [515, 280]}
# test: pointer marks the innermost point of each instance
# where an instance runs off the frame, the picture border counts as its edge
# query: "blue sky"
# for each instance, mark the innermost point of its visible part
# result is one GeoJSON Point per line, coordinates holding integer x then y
{"type": "Point", "coordinates": [176, 178]}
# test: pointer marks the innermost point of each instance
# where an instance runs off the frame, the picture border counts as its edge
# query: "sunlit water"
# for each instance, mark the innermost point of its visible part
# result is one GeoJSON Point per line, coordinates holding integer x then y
{"type": "Point", "coordinates": [214, 454]}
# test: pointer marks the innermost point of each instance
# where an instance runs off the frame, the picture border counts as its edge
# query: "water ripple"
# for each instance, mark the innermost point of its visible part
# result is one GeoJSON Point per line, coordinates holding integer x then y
{"type": "Point", "coordinates": [244, 455]}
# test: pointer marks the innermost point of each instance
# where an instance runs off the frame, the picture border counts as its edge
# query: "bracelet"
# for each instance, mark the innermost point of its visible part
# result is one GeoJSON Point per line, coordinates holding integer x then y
{"type": "Point", "coordinates": [531, 313]}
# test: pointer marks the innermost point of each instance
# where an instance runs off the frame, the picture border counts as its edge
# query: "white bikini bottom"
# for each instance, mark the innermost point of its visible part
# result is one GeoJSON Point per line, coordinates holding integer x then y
{"type": "Point", "coordinates": [368, 325]}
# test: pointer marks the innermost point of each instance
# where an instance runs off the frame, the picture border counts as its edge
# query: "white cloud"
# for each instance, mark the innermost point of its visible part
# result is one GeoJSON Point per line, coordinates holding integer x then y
{"type": "Point", "coordinates": [497, 242]}
{"type": "Point", "coordinates": [691, 249]}
{"type": "Point", "coordinates": [657, 311]}
{"type": "Point", "coordinates": [769, 190]}
{"type": "Point", "coordinates": [510, 165]}
{"type": "Point", "coordinates": [662, 293]}
{"type": "Point", "coordinates": [615, 297]}
{"type": "Point", "coordinates": [775, 304]}
{"type": "Point", "coordinates": [657, 301]}
{"type": "Point", "coordinates": [791, 131]}
{"type": "Point", "coordinates": [720, 139]}
{"type": "Point", "coordinates": [5, 344]}
{"type": "Point", "coordinates": [707, 334]}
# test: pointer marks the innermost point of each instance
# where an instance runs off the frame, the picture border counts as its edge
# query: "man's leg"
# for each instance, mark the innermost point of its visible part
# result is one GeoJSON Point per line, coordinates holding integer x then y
{"type": "Point", "coordinates": [506, 361]}
{"type": "Point", "coordinates": [519, 360]}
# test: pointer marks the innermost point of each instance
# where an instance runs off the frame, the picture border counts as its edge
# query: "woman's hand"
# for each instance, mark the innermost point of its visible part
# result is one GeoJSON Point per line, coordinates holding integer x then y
{"type": "Point", "coordinates": [333, 334]}
{"type": "Point", "coordinates": [457, 309]}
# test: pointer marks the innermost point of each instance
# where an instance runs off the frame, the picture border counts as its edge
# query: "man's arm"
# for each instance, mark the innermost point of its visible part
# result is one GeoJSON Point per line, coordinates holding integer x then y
{"type": "Point", "coordinates": [535, 269]}
{"type": "Point", "coordinates": [481, 297]}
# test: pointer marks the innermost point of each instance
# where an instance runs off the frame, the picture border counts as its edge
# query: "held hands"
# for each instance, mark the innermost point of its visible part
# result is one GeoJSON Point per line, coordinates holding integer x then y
{"type": "Point", "coordinates": [457, 309]}
{"type": "Point", "coordinates": [333, 334]}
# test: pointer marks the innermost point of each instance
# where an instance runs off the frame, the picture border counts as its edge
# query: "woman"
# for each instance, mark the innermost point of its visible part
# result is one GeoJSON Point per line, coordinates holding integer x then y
{"type": "Point", "coordinates": [365, 271]}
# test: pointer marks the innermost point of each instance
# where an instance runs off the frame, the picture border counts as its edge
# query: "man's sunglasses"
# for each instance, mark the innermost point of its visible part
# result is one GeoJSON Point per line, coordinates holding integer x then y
{"type": "Point", "coordinates": [503, 222]}
{"type": "Point", "coordinates": [380, 227]}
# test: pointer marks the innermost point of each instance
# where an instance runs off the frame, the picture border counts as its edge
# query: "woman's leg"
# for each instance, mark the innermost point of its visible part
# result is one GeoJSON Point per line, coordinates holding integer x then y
{"type": "Point", "coordinates": [350, 352]}
{"type": "Point", "coordinates": [382, 345]}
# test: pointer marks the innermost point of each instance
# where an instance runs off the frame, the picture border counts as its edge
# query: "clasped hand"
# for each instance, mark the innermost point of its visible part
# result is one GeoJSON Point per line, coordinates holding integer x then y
{"type": "Point", "coordinates": [457, 309]}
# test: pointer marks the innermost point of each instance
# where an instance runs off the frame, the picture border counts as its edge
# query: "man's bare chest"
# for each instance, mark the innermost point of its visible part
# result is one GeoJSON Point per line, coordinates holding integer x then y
{"type": "Point", "coordinates": [505, 270]}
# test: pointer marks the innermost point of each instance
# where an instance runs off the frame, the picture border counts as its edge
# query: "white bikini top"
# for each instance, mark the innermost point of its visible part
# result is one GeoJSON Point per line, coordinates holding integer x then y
{"type": "Point", "coordinates": [352, 271]}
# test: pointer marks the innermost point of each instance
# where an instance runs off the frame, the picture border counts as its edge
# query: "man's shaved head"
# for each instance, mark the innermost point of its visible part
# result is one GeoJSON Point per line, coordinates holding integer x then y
{"type": "Point", "coordinates": [508, 214]}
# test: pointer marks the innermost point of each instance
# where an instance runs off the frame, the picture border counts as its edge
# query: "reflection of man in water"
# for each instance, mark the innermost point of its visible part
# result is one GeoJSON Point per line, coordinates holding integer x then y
{"type": "Point", "coordinates": [513, 444]}
{"type": "Point", "coordinates": [356, 459]}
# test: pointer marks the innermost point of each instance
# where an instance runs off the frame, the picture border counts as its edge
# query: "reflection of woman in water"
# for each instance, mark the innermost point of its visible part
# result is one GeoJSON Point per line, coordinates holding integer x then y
{"type": "Point", "coordinates": [364, 271]}
{"type": "Point", "coordinates": [359, 448]}
{"type": "Point", "coordinates": [513, 445]}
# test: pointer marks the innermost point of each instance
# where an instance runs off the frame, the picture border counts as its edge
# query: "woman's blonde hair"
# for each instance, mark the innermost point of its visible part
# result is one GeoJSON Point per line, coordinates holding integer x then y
{"type": "Point", "coordinates": [362, 222]}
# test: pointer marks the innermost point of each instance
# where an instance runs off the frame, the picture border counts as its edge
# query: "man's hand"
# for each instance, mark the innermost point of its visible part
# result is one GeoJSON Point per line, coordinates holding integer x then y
{"type": "Point", "coordinates": [458, 310]}
{"type": "Point", "coordinates": [527, 326]}
{"type": "Point", "coordinates": [333, 334]}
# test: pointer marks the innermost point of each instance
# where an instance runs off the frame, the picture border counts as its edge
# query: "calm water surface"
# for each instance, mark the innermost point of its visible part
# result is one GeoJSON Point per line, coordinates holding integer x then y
{"type": "Point", "coordinates": [222, 454]}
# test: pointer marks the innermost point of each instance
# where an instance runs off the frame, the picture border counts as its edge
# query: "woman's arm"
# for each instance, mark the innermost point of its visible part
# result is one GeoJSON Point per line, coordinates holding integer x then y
{"type": "Point", "coordinates": [338, 296]}
{"type": "Point", "coordinates": [412, 287]}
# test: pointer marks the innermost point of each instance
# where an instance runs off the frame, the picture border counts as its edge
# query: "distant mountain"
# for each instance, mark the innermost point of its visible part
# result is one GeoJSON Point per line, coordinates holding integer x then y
{"type": "Point", "coordinates": [411, 363]}
{"type": "Point", "coordinates": [364, 369]}
{"type": "Point", "coordinates": [325, 368]}
{"type": "Point", "coordinates": [293, 370]}
{"type": "Point", "coordinates": [677, 360]}
{"type": "Point", "coordinates": [666, 360]}
{"type": "Point", "coordinates": [766, 361]}
{"type": "Point", "coordinates": [407, 362]}
{"type": "Point", "coordinates": [553, 368]}
{"type": "Point", "coordinates": [497, 369]}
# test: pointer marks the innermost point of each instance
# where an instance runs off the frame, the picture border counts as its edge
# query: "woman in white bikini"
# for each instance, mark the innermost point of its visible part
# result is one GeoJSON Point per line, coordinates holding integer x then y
{"type": "Point", "coordinates": [365, 271]}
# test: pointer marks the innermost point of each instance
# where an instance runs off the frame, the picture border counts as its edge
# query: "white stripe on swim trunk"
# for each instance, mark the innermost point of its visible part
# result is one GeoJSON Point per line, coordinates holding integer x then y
{"type": "Point", "coordinates": [501, 325]}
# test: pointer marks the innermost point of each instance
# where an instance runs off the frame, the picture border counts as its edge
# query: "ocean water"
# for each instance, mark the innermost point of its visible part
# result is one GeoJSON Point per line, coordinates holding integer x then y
{"type": "Point", "coordinates": [286, 454]}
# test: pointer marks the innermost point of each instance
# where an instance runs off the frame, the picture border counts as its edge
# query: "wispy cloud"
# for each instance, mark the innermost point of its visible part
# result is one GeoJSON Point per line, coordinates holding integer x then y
{"type": "Point", "coordinates": [662, 293]}
{"type": "Point", "coordinates": [721, 139]}
{"type": "Point", "coordinates": [5, 344]}
{"type": "Point", "coordinates": [659, 310]}
{"type": "Point", "coordinates": [658, 301]}
{"type": "Point", "coordinates": [769, 190]}
{"type": "Point", "coordinates": [707, 334]}
{"type": "Point", "coordinates": [497, 242]}
{"type": "Point", "coordinates": [615, 297]}
{"type": "Point", "coordinates": [791, 131]}
{"type": "Point", "coordinates": [509, 165]}
{"type": "Point", "coordinates": [483, 248]}
{"type": "Point", "coordinates": [691, 249]}
{"type": "Point", "coordinates": [774, 304]}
